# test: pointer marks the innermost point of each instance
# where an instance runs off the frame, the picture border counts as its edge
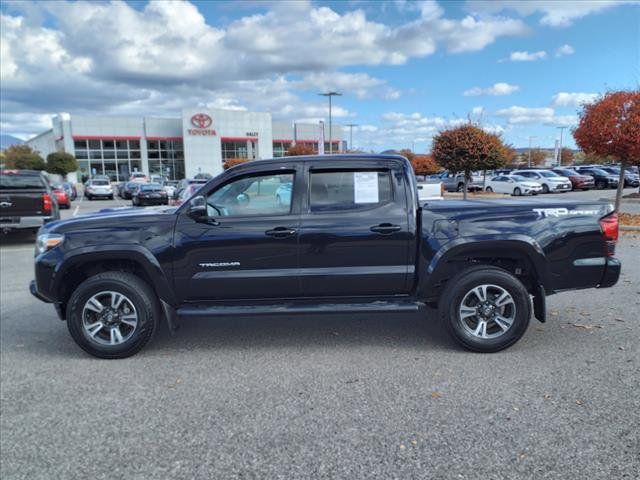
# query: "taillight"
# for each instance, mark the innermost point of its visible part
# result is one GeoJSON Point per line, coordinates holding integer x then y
{"type": "Point", "coordinates": [609, 227]}
{"type": "Point", "coordinates": [47, 203]}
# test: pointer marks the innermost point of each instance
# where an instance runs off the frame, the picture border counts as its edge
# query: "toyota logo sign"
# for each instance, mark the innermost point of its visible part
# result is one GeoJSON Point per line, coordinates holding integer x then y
{"type": "Point", "coordinates": [201, 120]}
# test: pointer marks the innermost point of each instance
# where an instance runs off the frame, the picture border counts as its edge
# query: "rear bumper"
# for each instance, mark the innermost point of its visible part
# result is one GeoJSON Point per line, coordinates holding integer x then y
{"type": "Point", "coordinates": [25, 222]}
{"type": "Point", "coordinates": [611, 273]}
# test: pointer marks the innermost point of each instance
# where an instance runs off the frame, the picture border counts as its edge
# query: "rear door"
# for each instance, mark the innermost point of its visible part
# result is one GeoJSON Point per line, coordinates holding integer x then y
{"type": "Point", "coordinates": [21, 195]}
{"type": "Point", "coordinates": [249, 249]}
{"type": "Point", "coordinates": [354, 230]}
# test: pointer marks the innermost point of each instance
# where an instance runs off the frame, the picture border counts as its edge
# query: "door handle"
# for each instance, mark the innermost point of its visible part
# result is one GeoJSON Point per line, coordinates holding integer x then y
{"type": "Point", "coordinates": [386, 228]}
{"type": "Point", "coordinates": [280, 232]}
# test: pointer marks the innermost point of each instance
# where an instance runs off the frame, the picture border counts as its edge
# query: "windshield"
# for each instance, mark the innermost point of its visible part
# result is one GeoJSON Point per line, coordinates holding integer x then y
{"type": "Point", "coordinates": [599, 171]}
{"type": "Point", "coordinates": [548, 174]}
{"type": "Point", "coordinates": [99, 182]}
{"type": "Point", "coordinates": [518, 178]}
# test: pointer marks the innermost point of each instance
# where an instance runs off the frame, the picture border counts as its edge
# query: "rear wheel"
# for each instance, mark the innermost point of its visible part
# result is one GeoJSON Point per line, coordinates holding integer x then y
{"type": "Point", "coordinates": [486, 309]}
{"type": "Point", "coordinates": [112, 314]}
{"type": "Point", "coordinates": [517, 192]}
{"type": "Point", "coordinates": [489, 189]}
{"type": "Point", "coordinates": [601, 184]}
{"type": "Point", "coordinates": [545, 188]}
{"type": "Point", "coordinates": [460, 187]}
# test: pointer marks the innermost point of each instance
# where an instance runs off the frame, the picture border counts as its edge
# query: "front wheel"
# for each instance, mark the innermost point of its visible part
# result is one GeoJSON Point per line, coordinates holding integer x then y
{"type": "Point", "coordinates": [460, 187]}
{"type": "Point", "coordinates": [488, 189]}
{"type": "Point", "coordinates": [486, 309]}
{"type": "Point", "coordinates": [545, 188]}
{"type": "Point", "coordinates": [112, 314]}
{"type": "Point", "coordinates": [517, 192]}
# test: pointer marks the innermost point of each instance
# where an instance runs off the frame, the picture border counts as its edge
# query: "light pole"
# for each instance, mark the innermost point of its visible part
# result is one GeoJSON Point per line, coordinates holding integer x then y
{"type": "Point", "coordinates": [351, 125]}
{"type": "Point", "coordinates": [560, 148]}
{"type": "Point", "coordinates": [330, 94]}
{"type": "Point", "coordinates": [531, 137]}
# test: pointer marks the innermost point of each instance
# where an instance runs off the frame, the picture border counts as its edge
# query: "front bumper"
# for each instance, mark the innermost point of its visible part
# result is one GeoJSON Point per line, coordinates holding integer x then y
{"type": "Point", "coordinates": [33, 288]}
{"type": "Point", "coordinates": [611, 273]}
{"type": "Point", "coordinates": [561, 187]}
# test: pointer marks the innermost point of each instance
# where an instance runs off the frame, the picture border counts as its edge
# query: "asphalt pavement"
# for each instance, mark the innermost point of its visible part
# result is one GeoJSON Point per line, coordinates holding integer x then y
{"type": "Point", "coordinates": [358, 396]}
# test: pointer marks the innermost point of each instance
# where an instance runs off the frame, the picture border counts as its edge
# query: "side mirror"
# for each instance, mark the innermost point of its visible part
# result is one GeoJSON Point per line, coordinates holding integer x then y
{"type": "Point", "coordinates": [243, 199]}
{"type": "Point", "coordinates": [197, 207]}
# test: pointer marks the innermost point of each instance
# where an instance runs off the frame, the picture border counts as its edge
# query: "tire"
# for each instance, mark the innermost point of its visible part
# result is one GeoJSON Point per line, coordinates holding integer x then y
{"type": "Point", "coordinates": [137, 294]}
{"type": "Point", "coordinates": [488, 189]}
{"type": "Point", "coordinates": [460, 187]}
{"type": "Point", "coordinates": [517, 192]}
{"type": "Point", "coordinates": [459, 293]}
{"type": "Point", "coordinates": [545, 188]}
{"type": "Point", "coordinates": [111, 197]}
{"type": "Point", "coordinates": [601, 184]}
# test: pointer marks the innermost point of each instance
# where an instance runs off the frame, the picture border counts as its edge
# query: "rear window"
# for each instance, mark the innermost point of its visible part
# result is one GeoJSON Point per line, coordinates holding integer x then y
{"type": "Point", "coordinates": [349, 189]}
{"type": "Point", "coordinates": [99, 182]}
{"type": "Point", "coordinates": [150, 187]}
{"type": "Point", "coordinates": [9, 180]}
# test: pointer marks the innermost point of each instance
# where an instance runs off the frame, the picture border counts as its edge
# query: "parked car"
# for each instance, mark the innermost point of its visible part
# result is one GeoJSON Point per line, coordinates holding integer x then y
{"type": "Point", "coordinates": [354, 238]}
{"type": "Point", "coordinates": [170, 187]}
{"type": "Point", "coordinates": [186, 193]}
{"type": "Point", "coordinates": [578, 181]}
{"type": "Point", "coordinates": [138, 177]}
{"type": "Point", "coordinates": [550, 181]}
{"type": "Point", "coordinates": [26, 200]}
{"type": "Point", "coordinates": [430, 190]}
{"type": "Point", "coordinates": [185, 182]}
{"type": "Point", "coordinates": [98, 189]}
{"type": "Point", "coordinates": [127, 190]}
{"type": "Point", "coordinates": [513, 185]}
{"type": "Point", "coordinates": [70, 188]}
{"type": "Point", "coordinates": [602, 178]}
{"type": "Point", "coordinates": [149, 194]}
{"type": "Point", "coordinates": [630, 179]}
{"type": "Point", "coordinates": [283, 193]}
{"type": "Point", "coordinates": [454, 182]}
{"type": "Point", "coordinates": [62, 197]}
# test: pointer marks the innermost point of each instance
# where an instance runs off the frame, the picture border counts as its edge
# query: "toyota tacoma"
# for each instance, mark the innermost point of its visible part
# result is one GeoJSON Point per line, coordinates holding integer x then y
{"type": "Point", "coordinates": [352, 236]}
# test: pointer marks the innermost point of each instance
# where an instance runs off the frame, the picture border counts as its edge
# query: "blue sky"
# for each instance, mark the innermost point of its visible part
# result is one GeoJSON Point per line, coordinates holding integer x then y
{"type": "Point", "coordinates": [406, 69]}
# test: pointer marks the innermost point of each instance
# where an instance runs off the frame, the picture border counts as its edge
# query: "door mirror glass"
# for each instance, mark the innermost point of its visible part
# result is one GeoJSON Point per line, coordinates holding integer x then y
{"type": "Point", "coordinates": [197, 207]}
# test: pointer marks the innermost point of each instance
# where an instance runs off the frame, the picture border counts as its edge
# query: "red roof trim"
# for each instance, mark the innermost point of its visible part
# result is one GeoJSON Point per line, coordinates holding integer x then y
{"type": "Point", "coordinates": [164, 138]}
{"type": "Point", "coordinates": [103, 137]}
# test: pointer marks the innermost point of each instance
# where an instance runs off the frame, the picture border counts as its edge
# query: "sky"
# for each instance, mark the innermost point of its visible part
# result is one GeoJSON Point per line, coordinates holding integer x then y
{"type": "Point", "coordinates": [406, 70]}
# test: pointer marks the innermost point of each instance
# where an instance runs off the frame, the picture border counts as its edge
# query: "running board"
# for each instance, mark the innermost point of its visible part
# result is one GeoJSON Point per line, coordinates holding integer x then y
{"type": "Point", "coordinates": [215, 310]}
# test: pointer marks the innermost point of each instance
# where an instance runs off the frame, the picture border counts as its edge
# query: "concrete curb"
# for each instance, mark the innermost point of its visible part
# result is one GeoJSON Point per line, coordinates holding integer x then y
{"type": "Point", "coordinates": [629, 228]}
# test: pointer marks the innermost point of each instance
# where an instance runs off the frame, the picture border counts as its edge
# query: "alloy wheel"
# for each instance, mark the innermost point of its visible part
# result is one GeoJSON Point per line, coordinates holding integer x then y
{"type": "Point", "coordinates": [109, 318]}
{"type": "Point", "coordinates": [487, 311]}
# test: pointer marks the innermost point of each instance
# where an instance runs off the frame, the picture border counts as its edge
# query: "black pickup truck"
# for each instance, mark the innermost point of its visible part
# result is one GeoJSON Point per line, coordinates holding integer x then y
{"type": "Point", "coordinates": [324, 235]}
{"type": "Point", "coordinates": [26, 200]}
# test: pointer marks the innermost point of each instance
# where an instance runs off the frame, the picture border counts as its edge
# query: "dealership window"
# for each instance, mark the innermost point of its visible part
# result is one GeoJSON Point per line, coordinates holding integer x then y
{"type": "Point", "coordinates": [94, 144]}
{"type": "Point", "coordinates": [166, 158]}
{"type": "Point", "coordinates": [115, 158]}
{"type": "Point", "coordinates": [336, 147]}
{"type": "Point", "coordinates": [280, 149]}
{"type": "Point", "coordinates": [80, 144]}
{"type": "Point", "coordinates": [349, 189]}
{"type": "Point", "coordinates": [234, 149]}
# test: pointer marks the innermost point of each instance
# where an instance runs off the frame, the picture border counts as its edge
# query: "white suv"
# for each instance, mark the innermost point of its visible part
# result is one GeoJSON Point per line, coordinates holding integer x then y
{"type": "Point", "coordinates": [550, 181]}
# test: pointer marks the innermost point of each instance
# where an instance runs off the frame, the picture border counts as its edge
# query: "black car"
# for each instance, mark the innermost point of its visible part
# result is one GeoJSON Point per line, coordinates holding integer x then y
{"type": "Point", "coordinates": [26, 200]}
{"type": "Point", "coordinates": [149, 194]}
{"type": "Point", "coordinates": [128, 188]}
{"type": "Point", "coordinates": [601, 178]}
{"type": "Point", "coordinates": [352, 237]}
{"type": "Point", "coordinates": [630, 179]}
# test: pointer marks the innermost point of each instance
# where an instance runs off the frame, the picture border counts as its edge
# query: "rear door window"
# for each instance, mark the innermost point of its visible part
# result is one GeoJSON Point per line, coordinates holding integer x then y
{"type": "Point", "coordinates": [340, 190]}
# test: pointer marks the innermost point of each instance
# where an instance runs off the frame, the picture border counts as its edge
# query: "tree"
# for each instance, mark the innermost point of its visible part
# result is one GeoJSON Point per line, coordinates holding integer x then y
{"type": "Point", "coordinates": [467, 148]}
{"type": "Point", "coordinates": [538, 157]}
{"type": "Point", "coordinates": [232, 162]}
{"type": "Point", "coordinates": [424, 165]}
{"type": "Point", "coordinates": [611, 127]}
{"type": "Point", "coordinates": [61, 163]}
{"type": "Point", "coordinates": [566, 157]}
{"type": "Point", "coordinates": [23, 157]}
{"type": "Point", "coordinates": [298, 149]}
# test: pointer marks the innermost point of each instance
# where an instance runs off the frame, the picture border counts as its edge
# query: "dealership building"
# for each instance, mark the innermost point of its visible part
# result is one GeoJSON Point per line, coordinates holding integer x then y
{"type": "Point", "coordinates": [197, 142]}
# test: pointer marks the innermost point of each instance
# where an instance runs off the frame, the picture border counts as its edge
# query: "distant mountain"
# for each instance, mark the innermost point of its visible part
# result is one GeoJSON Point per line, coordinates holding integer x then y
{"type": "Point", "coordinates": [8, 140]}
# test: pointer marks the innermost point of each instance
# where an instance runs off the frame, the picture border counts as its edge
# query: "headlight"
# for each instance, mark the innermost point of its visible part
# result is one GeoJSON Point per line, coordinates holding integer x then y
{"type": "Point", "coordinates": [46, 241]}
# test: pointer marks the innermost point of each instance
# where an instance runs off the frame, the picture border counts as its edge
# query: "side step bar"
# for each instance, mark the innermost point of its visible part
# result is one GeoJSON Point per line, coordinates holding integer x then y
{"type": "Point", "coordinates": [214, 310]}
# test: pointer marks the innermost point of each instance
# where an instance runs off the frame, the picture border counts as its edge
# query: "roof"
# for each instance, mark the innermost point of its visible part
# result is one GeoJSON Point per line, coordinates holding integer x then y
{"type": "Point", "coordinates": [345, 157]}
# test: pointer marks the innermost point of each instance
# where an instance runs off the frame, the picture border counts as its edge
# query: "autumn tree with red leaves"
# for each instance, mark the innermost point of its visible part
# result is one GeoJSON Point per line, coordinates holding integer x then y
{"type": "Point", "coordinates": [611, 127]}
{"type": "Point", "coordinates": [232, 162]}
{"type": "Point", "coordinates": [299, 149]}
{"type": "Point", "coordinates": [424, 165]}
{"type": "Point", "coordinates": [467, 148]}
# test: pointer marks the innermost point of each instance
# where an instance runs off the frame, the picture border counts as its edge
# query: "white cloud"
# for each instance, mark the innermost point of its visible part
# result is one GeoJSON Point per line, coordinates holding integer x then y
{"type": "Point", "coordinates": [552, 13]}
{"type": "Point", "coordinates": [573, 99]}
{"type": "Point", "coordinates": [565, 49]}
{"type": "Point", "coordinates": [524, 56]}
{"type": "Point", "coordinates": [477, 111]}
{"type": "Point", "coordinates": [517, 115]}
{"type": "Point", "coordinates": [359, 84]}
{"type": "Point", "coordinates": [496, 89]}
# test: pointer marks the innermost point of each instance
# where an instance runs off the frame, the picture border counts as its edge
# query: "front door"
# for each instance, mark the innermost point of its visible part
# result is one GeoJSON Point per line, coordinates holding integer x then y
{"type": "Point", "coordinates": [354, 232]}
{"type": "Point", "coordinates": [249, 247]}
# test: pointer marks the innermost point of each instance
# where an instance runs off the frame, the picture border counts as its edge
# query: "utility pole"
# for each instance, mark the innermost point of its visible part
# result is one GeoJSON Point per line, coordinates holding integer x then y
{"type": "Point", "coordinates": [531, 137]}
{"type": "Point", "coordinates": [351, 125]}
{"type": "Point", "coordinates": [560, 148]}
{"type": "Point", "coordinates": [330, 94]}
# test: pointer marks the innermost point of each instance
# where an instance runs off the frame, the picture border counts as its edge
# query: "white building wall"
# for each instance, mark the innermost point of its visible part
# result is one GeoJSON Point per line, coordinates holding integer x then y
{"type": "Point", "coordinates": [44, 143]}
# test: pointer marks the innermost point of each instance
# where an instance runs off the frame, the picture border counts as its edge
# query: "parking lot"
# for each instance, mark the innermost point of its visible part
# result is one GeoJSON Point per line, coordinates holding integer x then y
{"type": "Point", "coordinates": [324, 396]}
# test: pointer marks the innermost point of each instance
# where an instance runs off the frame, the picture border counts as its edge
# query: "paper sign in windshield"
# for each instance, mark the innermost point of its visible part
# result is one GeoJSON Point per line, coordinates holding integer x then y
{"type": "Point", "coordinates": [365, 188]}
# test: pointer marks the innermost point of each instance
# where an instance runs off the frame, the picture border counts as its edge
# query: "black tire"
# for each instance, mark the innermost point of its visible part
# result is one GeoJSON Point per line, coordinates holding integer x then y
{"type": "Point", "coordinates": [128, 284]}
{"type": "Point", "coordinates": [545, 188]}
{"type": "Point", "coordinates": [89, 197]}
{"type": "Point", "coordinates": [488, 189]}
{"type": "Point", "coordinates": [601, 184]}
{"type": "Point", "coordinates": [461, 285]}
{"type": "Point", "coordinates": [517, 192]}
{"type": "Point", "coordinates": [111, 197]}
{"type": "Point", "coordinates": [460, 187]}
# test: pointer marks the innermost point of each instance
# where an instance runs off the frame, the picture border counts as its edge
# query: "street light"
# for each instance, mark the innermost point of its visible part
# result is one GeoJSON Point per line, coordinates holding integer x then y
{"type": "Point", "coordinates": [330, 94]}
{"type": "Point", "coordinates": [531, 137]}
{"type": "Point", "coordinates": [351, 125]}
{"type": "Point", "coordinates": [560, 149]}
